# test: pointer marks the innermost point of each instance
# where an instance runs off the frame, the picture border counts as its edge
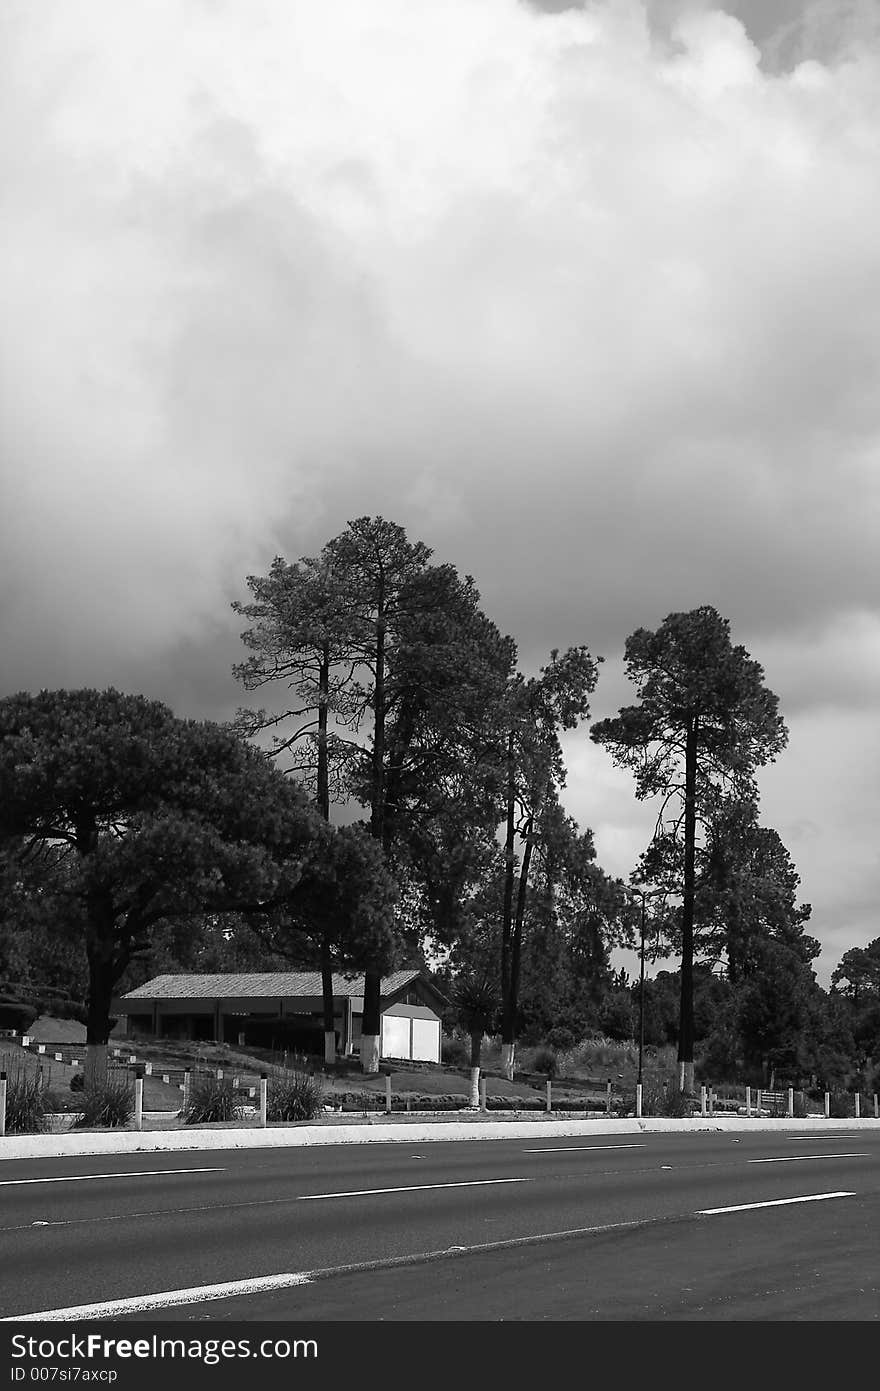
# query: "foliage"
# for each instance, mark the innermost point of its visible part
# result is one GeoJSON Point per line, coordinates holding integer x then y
{"type": "Point", "coordinates": [211, 1099]}
{"type": "Point", "coordinates": [140, 817]}
{"type": "Point", "coordinates": [704, 723]}
{"type": "Point", "coordinates": [544, 1060]}
{"type": "Point", "coordinates": [15, 1014]}
{"type": "Point", "coordinates": [296, 1096]}
{"type": "Point", "coordinates": [25, 1104]}
{"type": "Point", "coordinates": [669, 1100]}
{"type": "Point", "coordinates": [109, 1103]}
{"type": "Point", "coordinates": [455, 1051]}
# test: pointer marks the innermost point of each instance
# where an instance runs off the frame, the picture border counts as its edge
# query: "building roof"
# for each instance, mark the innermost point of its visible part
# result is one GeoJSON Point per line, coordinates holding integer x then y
{"type": "Point", "coordinates": [263, 985]}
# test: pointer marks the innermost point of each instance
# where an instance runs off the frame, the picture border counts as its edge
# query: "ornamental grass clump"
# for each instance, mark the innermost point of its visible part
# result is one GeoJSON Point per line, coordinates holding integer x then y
{"type": "Point", "coordinates": [297, 1096]}
{"type": "Point", "coordinates": [211, 1099]}
{"type": "Point", "coordinates": [25, 1105]}
{"type": "Point", "coordinates": [105, 1104]}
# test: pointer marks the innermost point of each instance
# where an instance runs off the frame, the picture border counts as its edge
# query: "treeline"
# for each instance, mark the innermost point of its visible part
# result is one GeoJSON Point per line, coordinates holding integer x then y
{"type": "Point", "coordinates": [134, 841]}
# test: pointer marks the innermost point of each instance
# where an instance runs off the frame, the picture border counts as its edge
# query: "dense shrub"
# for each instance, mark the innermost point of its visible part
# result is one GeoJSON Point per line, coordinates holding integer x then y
{"type": "Point", "coordinates": [455, 1051]}
{"type": "Point", "coordinates": [666, 1101]}
{"type": "Point", "coordinates": [25, 1105]}
{"type": "Point", "coordinates": [211, 1099]}
{"type": "Point", "coordinates": [560, 1038]}
{"type": "Point", "coordinates": [841, 1105]}
{"type": "Point", "coordinates": [77, 1082]}
{"type": "Point", "coordinates": [106, 1103]}
{"type": "Point", "coordinates": [544, 1060]}
{"type": "Point", "coordinates": [16, 1014]}
{"type": "Point", "coordinates": [298, 1096]}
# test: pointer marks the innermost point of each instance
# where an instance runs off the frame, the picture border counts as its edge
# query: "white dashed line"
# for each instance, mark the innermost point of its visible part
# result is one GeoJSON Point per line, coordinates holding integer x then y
{"type": "Point", "coordinates": [799, 1158]}
{"type": "Point", "coordinates": [574, 1149]}
{"type": "Point", "coordinates": [773, 1202]}
{"type": "Point", "coordinates": [409, 1188]}
{"type": "Point", "coordinates": [84, 1178]}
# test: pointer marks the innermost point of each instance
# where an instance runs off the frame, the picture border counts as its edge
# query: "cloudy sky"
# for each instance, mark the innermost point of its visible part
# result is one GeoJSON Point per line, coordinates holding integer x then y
{"type": "Point", "coordinates": [586, 296]}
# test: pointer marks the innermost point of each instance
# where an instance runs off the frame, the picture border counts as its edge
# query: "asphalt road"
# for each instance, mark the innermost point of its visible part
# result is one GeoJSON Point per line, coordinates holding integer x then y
{"type": "Point", "coordinates": [609, 1227]}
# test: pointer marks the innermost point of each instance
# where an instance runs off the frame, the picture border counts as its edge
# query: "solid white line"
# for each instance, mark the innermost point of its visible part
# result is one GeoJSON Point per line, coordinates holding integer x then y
{"type": "Point", "coordinates": [833, 1135]}
{"type": "Point", "coordinates": [410, 1188]}
{"type": "Point", "coordinates": [574, 1149]}
{"type": "Point", "coordinates": [83, 1178]}
{"type": "Point", "coordinates": [166, 1300]}
{"type": "Point", "coordinates": [798, 1158]}
{"type": "Point", "coordinates": [774, 1202]}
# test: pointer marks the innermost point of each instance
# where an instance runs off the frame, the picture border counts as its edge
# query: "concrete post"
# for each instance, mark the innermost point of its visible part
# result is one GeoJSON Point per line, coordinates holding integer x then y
{"type": "Point", "coordinates": [789, 1110]}
{"type": "Point", "coordinates": [876, 1110]}
{"type": "Point", "coordinates": [858, 1108]}
{"type": "Point", "coordinates": [138, 1100]}
{"type": "Point", "coordinates": [2, 1103]}
{"type": "Point", "coordinates": [827, 1105]}
{"type": "Point", "coordinates": [264, 1097]}
{"type": "Point", "coordinates": [638, 1099]}
{"type": "Point", "coordinates": [388, 1092]}
{"type": "Point", "coordinates": [187, 1087]}
{"type": "Point", "coordinates": [748, 1101]}
{"type": "Point", "coordinates": [482, 1093]}
{"type": "Point", "coordinates": [702, 1101]}
{"type": "Point", "coordinates": [549, 1095]}
{"type": "Point", "coordinates": [608, 1098]}
{"type": "Point", "coordinates": [758, 1101]}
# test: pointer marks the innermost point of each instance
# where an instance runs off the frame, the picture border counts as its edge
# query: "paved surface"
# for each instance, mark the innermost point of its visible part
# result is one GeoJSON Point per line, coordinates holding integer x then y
{"type": "Point", "coordinates": [610, 1223]}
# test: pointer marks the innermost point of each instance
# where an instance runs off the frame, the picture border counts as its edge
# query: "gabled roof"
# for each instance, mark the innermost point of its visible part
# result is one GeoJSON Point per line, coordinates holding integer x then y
{"type": "Point", "coordinates": [266, 985]}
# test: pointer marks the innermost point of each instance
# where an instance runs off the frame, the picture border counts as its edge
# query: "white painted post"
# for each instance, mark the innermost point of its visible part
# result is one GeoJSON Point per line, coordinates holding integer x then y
{"type": "Point", "coordinates": [549, 1093]}
{"type": "Point", "coordinates": [858, 1101]}
{"type": "Point", "coordinates": [638, 1099]}
{"type": "Point", "coordinates": [827, 1105]}
{"type": "Point", "coordinates": [138, 1101]}
{"type": "Point", "coordinates": [187, 1085]}
{"type": "Point", "coordinates": [790, 1107]}
{"type": "Point", "coordinates": [148, 1069]}
{"type": "Point", "coordinates": [388, 1092]}
{"type": "Point", "coordinates": [264, 1097]}
{"type": "Point", "coordinates": [758, 1095]}
{"type": "Point", "coordinates": [2, 1103]}
{"type": "Point", "coordinates": [608, 1098]}
{"type": "Point", "coordinates": [482, 1093]}
{"type": "Point", "coordinates": [876, 1111]}
{"type": "Point", "coordinates": [748, 1101]}
{"type": "Point", "coordinates": [702, 1101]}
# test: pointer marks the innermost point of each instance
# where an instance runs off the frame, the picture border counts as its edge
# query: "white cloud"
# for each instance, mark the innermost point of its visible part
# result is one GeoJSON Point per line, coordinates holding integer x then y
{"type": "Point", "coordinates": [589, 303]}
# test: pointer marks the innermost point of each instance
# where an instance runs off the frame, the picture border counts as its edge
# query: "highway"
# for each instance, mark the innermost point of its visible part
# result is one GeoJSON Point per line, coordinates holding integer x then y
{"type": "Point", "coordinates": [698, 1225]}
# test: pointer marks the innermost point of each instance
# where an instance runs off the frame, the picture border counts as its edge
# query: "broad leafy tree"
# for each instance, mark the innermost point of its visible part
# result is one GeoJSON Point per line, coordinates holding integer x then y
{"type": "Point", "coordinates": [149, 817]}
{"type": "Point", "coordinates": [704, 723]}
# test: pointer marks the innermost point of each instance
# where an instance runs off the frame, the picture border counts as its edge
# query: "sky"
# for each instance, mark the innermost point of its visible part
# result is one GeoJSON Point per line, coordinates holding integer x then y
{"type": "Point", "coordinates": [585, 296]}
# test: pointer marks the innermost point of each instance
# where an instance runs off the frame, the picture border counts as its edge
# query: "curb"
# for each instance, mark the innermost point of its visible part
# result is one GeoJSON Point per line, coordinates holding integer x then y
{"type": "Point", "coordinates": [285, 1137]}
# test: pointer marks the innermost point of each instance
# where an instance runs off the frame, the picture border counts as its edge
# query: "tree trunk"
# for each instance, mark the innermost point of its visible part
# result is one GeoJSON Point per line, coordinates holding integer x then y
{"type": "Point", "coordinates": [516, 944]}
{"type": "Point", "coordinates": [686, 1013]}
{"type": "Point", "coordinates": [508, 1059]}
{"type": "Point", "coordinates": [507, 1020]}
{"type": "Point", "coordinates": [328, 1005]}
{"type": "Point", "coordinates": [474, 1088]}
{"type": "Point", "coordinates": [371, 1027]}
{"type": "Point", "coordinates": [102, 978]}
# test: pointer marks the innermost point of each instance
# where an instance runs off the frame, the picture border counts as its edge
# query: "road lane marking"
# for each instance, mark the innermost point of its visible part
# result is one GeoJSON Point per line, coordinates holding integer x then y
{"type": "Point", "coordinates": [409, 1188]}
{"type": "Point", "coordinates": [773, 1202]}
{"type": "Point", "coordinates": [832, 1135]}
{"type": "Point", "coordinates": [84, 1178]}
{"type": "Point", "coordinates": [574, 1149]}
{"type": "Point", "coordinates": [799, 1158]}
{"type": "Point", "coordinates": [228, 1290]}
{"type": "Point", "coordinates": [167, 1299]}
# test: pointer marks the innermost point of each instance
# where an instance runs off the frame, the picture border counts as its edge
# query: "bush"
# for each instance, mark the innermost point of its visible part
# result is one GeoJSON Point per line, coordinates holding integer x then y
{"type": "Point", "coordinates": [560, 1038]}
{"type": "Point", "coordinates": [841, 1106]}
{"type": "Point", "coordinates": [669, 1101]}
{"type": "Point", "coordinates": [299, 1096]}
{"type": "Point", "coordinates": [77, 1082]}
{"type": "Point", "coordinates": [211, 1099]}
{"type": "Point", "coordinates": [106, 1103]}
{"type": "Point", "coordinates": [455, 1051]}
{"type": "Point", "coordinates": [544, 1060]}
{"type": "Point", "coordinates": [15, 1014]}
{"type": "Point", "coordinates": [25, 1105]}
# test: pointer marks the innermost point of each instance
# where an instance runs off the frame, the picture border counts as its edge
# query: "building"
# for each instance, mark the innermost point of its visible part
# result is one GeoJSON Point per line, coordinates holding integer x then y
{"type": "Point", "coordinates": [284, 1009]}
